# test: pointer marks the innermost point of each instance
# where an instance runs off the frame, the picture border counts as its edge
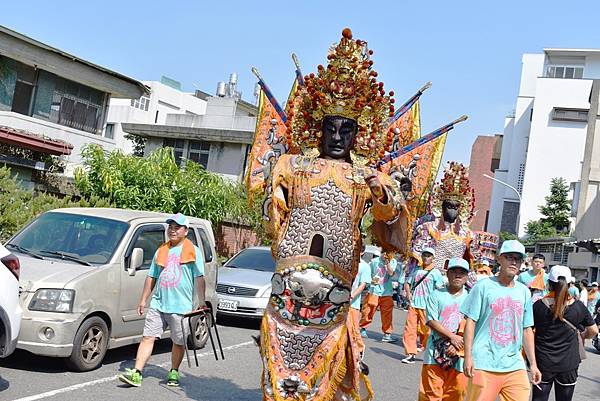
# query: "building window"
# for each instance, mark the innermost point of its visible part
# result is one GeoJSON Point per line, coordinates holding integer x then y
{"type": "Point", "coordinates": [142, 103]}
{"type": "Point", "coordinates": [564, 256]}
{"type": "Point", "coordinates": [566, 114]}
{"type": "Point", "coordinates": [521, 178]}
{"type": "Point", "coordinates": [199, 152]}
{"type": "Point", "coordinates": [563, 71]}
{"type": "Point", "coordinates": [177, 145]}
{"type": "Point", "coordinates": [109, 131]}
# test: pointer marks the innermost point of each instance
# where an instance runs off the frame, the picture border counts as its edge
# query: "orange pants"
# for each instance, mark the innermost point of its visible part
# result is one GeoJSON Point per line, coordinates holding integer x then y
{"type": "Point", "coordinates": [386, 307]}
{"type": "Point", "coordinates": [509, 386]}
{"type": "Point", "coordinates": [415, 326]}
{"type": "Point", "coordinates": [353, 323]}
{"type": "Point", "coordinates": [439, 384]}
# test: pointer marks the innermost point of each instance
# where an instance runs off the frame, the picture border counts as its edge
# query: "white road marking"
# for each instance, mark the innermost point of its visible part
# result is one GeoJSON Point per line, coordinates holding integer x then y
{"type": "Point", "coordinates": [111, 378]}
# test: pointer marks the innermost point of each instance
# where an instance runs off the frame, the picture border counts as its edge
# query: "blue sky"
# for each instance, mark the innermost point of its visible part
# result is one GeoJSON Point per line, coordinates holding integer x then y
{"type": "Point", "coordinates": [471, 51]}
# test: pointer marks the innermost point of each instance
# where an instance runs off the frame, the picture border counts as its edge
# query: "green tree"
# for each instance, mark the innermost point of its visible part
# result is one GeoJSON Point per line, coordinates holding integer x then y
{"type": "Point", "coordinates": [157, 183]}
{"type": "Point", "coordinates": [555, 213]}
{"type": "Point", "coordinates": [537, 229]}
{"type": "Point", "coordinates": [19, 206]}
{"type": "Point", "coordinates": [505, 236]}
{"type": "Point", "coordinates": [557, 209]}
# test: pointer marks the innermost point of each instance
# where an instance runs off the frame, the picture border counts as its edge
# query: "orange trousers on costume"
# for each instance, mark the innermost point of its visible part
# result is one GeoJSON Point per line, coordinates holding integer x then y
{"type": "Point", "coordinates": [509, 386]}
{"type": "Point", "coordinates": [386, 306]}
{"type": "Point", "coordinates": [439, 384]}
{"type": "Point", "coordinates": [353, 323]}
{"type": "Point", "coordinates": [415, 326]}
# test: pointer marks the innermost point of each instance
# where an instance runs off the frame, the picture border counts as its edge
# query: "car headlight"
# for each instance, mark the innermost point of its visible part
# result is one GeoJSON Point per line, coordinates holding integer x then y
{"type": "Point", "coordinates": [49, 300]}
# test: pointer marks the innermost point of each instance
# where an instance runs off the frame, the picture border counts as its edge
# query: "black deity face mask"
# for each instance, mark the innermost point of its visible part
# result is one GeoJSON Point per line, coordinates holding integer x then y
{"type": "Point", "coordinates": [338, 137]}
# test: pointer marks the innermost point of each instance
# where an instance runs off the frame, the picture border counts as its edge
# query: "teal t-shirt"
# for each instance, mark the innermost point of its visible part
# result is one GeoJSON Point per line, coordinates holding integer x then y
{"type": "Point", "coordinates": [527, 278]}
{"type": "Point", "coordinates": [574, 292]}
{"type": "Point", "coordinates": [174, 289]}
{"type": "Point", "coordinates": [420, 293]}
{"type": "Point", "coordinates": [445, 308]}
{"type": "Point", "coordinates": [385, 286]}
{"type": "Point", "coordinates": [362, 276]}
{"type": "Point", "coordinates": [500, 314]}
{"type": "Point", "coordinates": [592, 303]}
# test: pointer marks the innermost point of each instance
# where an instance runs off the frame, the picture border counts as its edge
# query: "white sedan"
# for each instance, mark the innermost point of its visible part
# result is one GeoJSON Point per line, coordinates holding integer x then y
{"type": "Point", "coordinates": [10, 308]}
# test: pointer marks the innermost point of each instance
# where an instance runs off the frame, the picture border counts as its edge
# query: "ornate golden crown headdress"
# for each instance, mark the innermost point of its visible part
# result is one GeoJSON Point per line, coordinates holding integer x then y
{"type": "Point", "coordinates": [347, 87]}
{"type": "Point", "coordinates": [454, 186]}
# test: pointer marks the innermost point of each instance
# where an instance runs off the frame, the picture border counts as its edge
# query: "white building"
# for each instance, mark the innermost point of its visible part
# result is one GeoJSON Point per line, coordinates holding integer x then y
{"type": "Point", "coordinates": [52, 103]}
{"type": "Point", "coordinates": [217, 133]}
{"type": "Point", "coordinates": [545, 137]}
{"type": "Point", "coordinates": [165, 98]}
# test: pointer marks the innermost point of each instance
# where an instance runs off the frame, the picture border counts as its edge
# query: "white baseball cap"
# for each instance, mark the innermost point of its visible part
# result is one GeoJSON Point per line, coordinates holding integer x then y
{"type": "Point", "coordinates": [559, 271]}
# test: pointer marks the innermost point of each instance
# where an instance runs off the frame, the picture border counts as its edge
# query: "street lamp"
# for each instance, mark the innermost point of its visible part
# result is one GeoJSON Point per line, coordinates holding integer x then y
{"type": "Point", "coordinates": [516, 192]}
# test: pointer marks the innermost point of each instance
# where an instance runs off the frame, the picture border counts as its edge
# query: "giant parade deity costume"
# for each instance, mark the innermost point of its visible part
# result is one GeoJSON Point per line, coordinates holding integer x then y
{"type": "Point", "coordinates": [318, 167]}
{"type": "Point", "coordinates": [450, 213]}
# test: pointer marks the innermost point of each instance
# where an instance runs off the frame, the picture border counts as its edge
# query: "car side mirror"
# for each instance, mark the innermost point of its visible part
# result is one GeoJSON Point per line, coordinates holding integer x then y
{"type": "Point", "coordinates": [137, 259]}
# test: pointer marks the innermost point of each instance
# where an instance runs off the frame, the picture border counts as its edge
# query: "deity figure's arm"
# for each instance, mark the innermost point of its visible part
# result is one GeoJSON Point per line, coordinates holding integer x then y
{"type": "Point", "coordinates": [279, 207]}
{"type": "Point", "coordinates": [390, 214]}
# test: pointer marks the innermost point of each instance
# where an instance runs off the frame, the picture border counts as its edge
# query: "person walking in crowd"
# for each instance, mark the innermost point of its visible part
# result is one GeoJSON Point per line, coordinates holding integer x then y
{"type": "Point", "coordinates": [499, 318]}
{"type": "Point", "coordinates": [442, 376]}
{"type": "Point", "coordinates": [593, 297]}
{"type": "Point", "coordinates": [418, 286]}
{"type": "Point", "coordinates": [536, 279]}
{"type": "Point", "coordinates": [380, 296]}
{"type": "Point", "coordinates": [360, 283]}
{"type": "Point", "coordinates": [557, 339]}
{"type": "Point", "coordinates": [177, 267]}
{"type": "Point", "coordinates": [573, 290]}
{"type": "Point", "coordinates": [583, 291]}
{"type": "Point", "coordinates": [483, 270]}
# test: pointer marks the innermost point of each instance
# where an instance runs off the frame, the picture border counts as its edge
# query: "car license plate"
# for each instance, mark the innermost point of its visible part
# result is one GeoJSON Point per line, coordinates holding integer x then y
{"type": "Point", "coordinates": [226, 304]}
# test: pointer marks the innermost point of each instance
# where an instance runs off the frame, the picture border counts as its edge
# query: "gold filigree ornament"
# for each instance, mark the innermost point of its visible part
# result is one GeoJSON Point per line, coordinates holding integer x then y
{"type": "Point", "coordinates": [347, 87]}
{"type": "Point", "coordinates": [454, 186]}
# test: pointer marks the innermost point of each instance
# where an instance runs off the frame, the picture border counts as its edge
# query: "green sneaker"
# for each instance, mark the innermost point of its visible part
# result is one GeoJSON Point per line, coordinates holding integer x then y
{"type": "Point", "coordinates": [173, 378]}
{"type": "Point", "coordinates": [132, 377]}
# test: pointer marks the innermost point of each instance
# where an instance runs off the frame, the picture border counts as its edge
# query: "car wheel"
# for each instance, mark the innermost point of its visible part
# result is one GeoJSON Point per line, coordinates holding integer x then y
{"type": "Point", "coordinates": [200, 332]}
{"type": "Point", "coordinates": [89, 346]}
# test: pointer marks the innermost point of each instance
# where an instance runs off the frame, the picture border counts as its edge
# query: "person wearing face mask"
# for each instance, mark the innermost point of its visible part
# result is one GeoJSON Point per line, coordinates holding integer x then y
{"type": "Point", "coordinates": [452, 205]}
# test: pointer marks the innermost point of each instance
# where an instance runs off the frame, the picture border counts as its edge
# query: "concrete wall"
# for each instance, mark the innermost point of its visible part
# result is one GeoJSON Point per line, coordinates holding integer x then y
{"type": "Point", "coordinates": [555, 148]}
{"type": "Point", "coordinates": [226, 159]}
{"type": "Point", "coordinates": [514, 145]}
{"type": "Point", "coordinates": [73, 136]}
{"type": "Point", "coordinates": [588, 205]}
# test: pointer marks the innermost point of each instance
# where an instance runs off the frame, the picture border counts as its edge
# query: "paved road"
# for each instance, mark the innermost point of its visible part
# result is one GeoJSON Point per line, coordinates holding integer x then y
{"type": "Point", "coordinates": [26, 377]}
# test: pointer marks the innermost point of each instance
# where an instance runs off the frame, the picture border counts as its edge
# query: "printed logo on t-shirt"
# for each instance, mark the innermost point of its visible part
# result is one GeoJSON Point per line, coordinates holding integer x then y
{"type": "Point", "coordinates": [506, 312]}
{"type": "Point", "coordinates": [171, 275]}
{"type": "Point", "coordinates": [422, 288]}
{"type": "Point", "coordinates": [451, 317]}
{"type": "Point", "coordinates": [381, 273]}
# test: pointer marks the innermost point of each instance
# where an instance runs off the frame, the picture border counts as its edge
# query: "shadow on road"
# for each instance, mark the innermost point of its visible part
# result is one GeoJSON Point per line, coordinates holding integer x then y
{"type": "Point", "coordinates": [200, 388]}
{"type": "Point", "coordinates": [4, 384]}
{"type": "Point", "coordinates": [242, 323]}
{"type": "Point", "coordinates": [23, 360]}
{"type": "Point", "coordinates": [395, 355]}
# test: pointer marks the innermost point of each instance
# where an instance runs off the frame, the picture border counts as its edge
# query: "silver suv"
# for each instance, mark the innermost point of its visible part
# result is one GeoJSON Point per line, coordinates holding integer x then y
{"type": "Point", "coordinates": [82, 274]}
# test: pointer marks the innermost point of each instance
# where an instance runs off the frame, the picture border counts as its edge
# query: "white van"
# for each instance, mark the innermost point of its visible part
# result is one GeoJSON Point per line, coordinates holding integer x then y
{"type": "Point", "coordinates": [82, 275]}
